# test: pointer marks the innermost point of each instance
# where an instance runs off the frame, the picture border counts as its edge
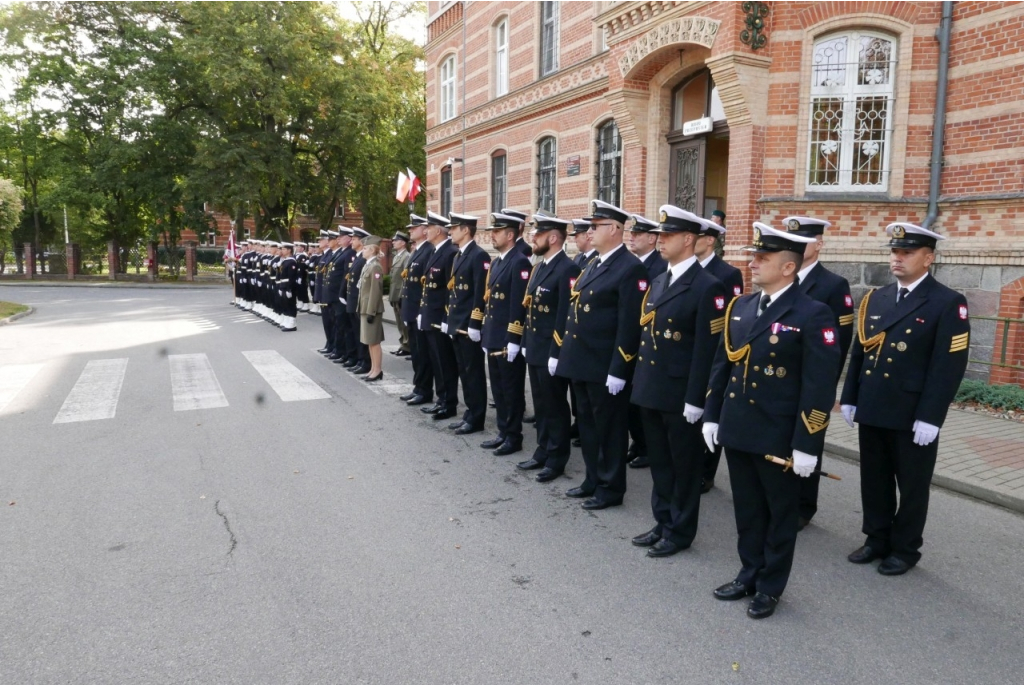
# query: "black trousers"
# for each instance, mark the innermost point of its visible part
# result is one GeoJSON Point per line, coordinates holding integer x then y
{"type": "Point", "coordinates": [636, 430]}
{"type": "Point", "coordinates": [766, 501]}
{"type": "Point", "coordinates": [289, 307]}
{"type": "Point", "coordinates": [470, 358]}
{"type": "Point", "coordinates": [604, 437]}
{"type": "Point", "coordinates": [675, 448]}
{"type": "Point", "coordinates": [554, 419]}
{"type": "Point", "coordinates": [327, 319]}
{"type": "Point", "coordinates": [711, 460]}
{"type": "Point", "coordinates": [341, 324]}
{"type": "Point", "coordinates": [422, 371]}
{"type": "Point", "coordinates": [445, 367]}
{"type": "Point", "coordinates": [809, 494]}
{"type": "Point", "coordinates": [889, 459]}
{"type": "Point", "coordinates": [356, 348]}
{"type": "Point", "coordinates": [508, 386]}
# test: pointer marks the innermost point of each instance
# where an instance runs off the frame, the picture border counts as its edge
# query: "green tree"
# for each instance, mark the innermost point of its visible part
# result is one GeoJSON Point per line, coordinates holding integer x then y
{"type": "Point", "coordinates": [10, 215]}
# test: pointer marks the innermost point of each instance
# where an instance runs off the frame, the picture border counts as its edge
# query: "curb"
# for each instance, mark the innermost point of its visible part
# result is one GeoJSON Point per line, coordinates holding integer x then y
{"type": "Point", "coordinates": [978, 492]}
{"type": "Point", "coordinates": [14, 317]}
{"type": "Point", "coordinates": [114, 284]}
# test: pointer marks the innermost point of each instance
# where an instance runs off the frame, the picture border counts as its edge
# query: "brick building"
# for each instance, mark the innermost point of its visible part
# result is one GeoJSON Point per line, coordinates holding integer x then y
{"type": "Point", "coordinates": [822, 109]}
{"type": "Point", "coordinates": [305, 228]}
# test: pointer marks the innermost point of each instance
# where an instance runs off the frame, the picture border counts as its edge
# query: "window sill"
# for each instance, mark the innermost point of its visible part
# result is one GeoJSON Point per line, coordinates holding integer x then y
{"type": "Point", "coordinates": [844, 196]}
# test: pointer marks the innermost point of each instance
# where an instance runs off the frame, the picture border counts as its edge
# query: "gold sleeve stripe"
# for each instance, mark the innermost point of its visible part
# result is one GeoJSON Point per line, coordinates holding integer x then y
{"type": "Point", "coordinates": [627, 357]}
{"type": "Point", "coordinates": [717, 325]}
{"type": "Point", "coordinates": [477, 315]}
{"type": "Point", "coordinates": [846, 320]}
{"type": "Point", "coordinates": [558, 338]}
{"type": "Point", "coordinates": [959, 343]}
{"type": "Point", "coordinates": [817, 421]}
{"type": "Point", "coordinates": [515, 328]}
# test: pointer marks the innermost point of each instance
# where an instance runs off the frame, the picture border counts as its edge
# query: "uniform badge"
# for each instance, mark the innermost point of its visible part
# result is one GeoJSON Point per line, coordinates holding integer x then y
{"type": "Point", "coordinates": [769, 370]}
{"type": "Point", "coordinates": [963, 312]}
{"type": "Point", "coordinates": [677, 336]}
{"type": "Point", "coordinates": [899, 232]}
{"type": "Point", "coordinates": [773, 339]}
{"type": "Point", "coordinates": [737, 290]}
{"type": "Point", "coordinates": [849, 301]}
{"type": "Point", "coordinates": [780, 372]}
{"type": "Point", "coordinates": [794, 225]}
{"type": "Point", "coordinates": [668, 334]}
{"type": "Point", "coordinates": [663, 217]}
{"type": "Point", "coordinates": [757, 236]}
{"type": "Point", "coordinates": [829, 335]}
{"type": "Point", "coordinates": [586, 307]}
{"type": "Point", "coordinates": [719, 302]}
{"type": "Point", "coordinates": [572, 282]}
{"type": "Point", "coordinates": [487, 266]}
{"type": "Point", "coordinates": [901, 346]}
{"type": "Point", "coordinates": [524, 275]}
{"type": "Point", "coordinates": [642, 285]}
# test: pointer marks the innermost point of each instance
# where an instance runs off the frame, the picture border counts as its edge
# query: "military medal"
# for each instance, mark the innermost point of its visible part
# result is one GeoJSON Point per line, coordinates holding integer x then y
{"type": "Point", "coordinates": [901, 346]}
{"type": "Point", "coordinates": [769, 370]}
{"type": "Point", "coordinates": [780, 372]}
{"type": "Point", "coordinates": [774, 339]}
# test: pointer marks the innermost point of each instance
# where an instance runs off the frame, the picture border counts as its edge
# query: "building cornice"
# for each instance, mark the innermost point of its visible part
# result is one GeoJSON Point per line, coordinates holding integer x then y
{"type": "Point", "coordinates": [625, 20]}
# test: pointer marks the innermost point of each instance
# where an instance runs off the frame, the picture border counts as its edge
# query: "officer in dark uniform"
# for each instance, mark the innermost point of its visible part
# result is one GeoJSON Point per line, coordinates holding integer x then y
{"type": "Point", "coordinates": [438, 272]}
{"type": "Point", "coordinates": [771, 393]}
{"type": "Point", "coordinates": [600, 339]}
{"type": "Point", "coordinates": [464, 319]}
{"type": "Point", "coordinates": [359, 362]}
{"type": "Point", "coordinates": [642, 241]}
{"type": "Point", "coordinates": [732, 278]}
{"type": "Point", "coordinates": [584, 252]}
{"type": "Point", "coordinates": [502, 333]}
{"type": "Point", "coordinates": [287, 285]}
{"type": "Point", "coordinates": [908, 360]}
{"type": "Point", "coordinates": [683, 314]}
{"type": "Point", "coordinates": [547, 305]}
{"type": "Point", "coordinates": [521, 245]}
{"type": "Point", "coordinates": [833, 290]}
{"type": "Point", "coordinates": [340, 263]}
{"type": "Point", "coordinates": [301, 277]}
{"type": "Point", "coordinates": [323, 264]}
{"type": "Point", "coordinates": [412, 293]}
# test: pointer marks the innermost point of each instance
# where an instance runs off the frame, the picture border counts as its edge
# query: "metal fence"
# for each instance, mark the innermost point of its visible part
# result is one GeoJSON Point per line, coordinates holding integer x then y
{"type": "Point", "coordinates": [1000, 336]}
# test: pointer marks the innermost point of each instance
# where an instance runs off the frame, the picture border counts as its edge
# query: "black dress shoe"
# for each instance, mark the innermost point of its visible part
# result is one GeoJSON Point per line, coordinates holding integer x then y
{"type": "Point", "coordinates": [333, 356]}
{"type": "Point", "coordinates": [492, 405]}
{"type": "Point", "coordinates": [492, 443]}
{"type": "Point", "coordinates": [324, 349]}
{"type": "Point", "coordinates": [359, 370]}
{"type": "Point", "coordinates": [632, 453]}
{"type": "Point", "coordinates": [373, 379]}
{"type": "Point", "coordinates": [578, 493]}
{"type": "Point", "coordinates": [576, 442]}
{"type": "Point", "coordinates": [443, 414]}
{"type": "Point", "coordinates": [893, 566]}
{"type": "Point", "coordinates": [546, 475]}
{"type": "Point", "coordinates": [403, 353]}
{"type": "Point", "coordinates": [432, 409]}
{"type": "Point", "coordinates": [664, 548]}
{"type": "Point", "coordinates": [456, 425]}
{"type": "Point", "coordinates": [864, 555]}
{"type": "Point", "coordinates": [468, 429]}
{"type": "Point", "coordinates": [733, 591]}
{"type": "Point", "coordinates": [762, 606]}
{"type": "Point", "coordinates": [801, 523]}
{"type": "Point", "coordinates": [647, 539]}
{"type": "Point", "coordinates": [706, 485]}
{"type": "Point", "coordinates": [341, 360]}
{"type": "Point", "coordinates": [532, 418]}
{"type": "Point", "coordinates": [350, 362]}
{"type": "Point", "coordinates": [529, 465]}
{"type": "Point", "coordinates": [506, 448]}
{"type": "Point", "coordinates": [418, 400]}
{"type": "Point", "coordinates": [595, 504]}
{"type": "Point", "coordinates": [640, 462]}
{"type": "Point", "coordinates": [408, 396]}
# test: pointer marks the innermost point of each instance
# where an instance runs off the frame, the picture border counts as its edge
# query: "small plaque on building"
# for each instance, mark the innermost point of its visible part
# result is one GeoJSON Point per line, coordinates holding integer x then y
{"type": "Point", "coordinates": [572, 166]}
{"type": "Point", "coordinates": [702, 125]}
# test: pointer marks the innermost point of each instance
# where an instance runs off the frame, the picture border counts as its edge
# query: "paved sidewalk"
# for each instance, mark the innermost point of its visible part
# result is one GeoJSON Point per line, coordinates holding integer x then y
{"type": "Point", "coordinates": [979, 455]}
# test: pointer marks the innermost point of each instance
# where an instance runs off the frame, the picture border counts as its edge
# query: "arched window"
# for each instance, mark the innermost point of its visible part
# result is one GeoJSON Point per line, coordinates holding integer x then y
{"type": "Point", "coordinates": [499, 185]}
{"type": "Point", "coordinates": [547, 172]}
{"type": "Point", "coordinates": [851, 112]}
{"type": "Point", "coordinates": [609, 163]}
{"type": "Point", "coordinates": [447, 97]}
{"type": "Point", "coordinates": [501, 58]}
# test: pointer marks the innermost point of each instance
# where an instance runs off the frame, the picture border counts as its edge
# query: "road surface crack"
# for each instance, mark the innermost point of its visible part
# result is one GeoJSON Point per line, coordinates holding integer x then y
{"type": "Point", "coordinates": [227, 526]}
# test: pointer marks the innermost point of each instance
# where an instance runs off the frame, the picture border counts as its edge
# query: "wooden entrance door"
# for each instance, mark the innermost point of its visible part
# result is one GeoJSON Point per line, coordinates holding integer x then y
{"type": "Point", "coordinates": [686, 176]}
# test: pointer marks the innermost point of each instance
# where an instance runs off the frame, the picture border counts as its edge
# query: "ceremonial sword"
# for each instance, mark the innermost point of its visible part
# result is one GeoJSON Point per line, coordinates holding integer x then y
{"type": "Point", "coordinates": [788, 464]}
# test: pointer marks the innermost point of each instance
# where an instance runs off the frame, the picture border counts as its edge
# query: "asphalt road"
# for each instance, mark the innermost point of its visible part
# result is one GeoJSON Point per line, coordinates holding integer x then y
{"type": "Point", "coordinates": [347, 539]}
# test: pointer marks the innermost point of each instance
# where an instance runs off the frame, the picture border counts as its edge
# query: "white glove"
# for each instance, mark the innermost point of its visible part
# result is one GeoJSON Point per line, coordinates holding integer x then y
{"type": "Point", "coordinates": [710, 431]}
{"type": "Point", "coordinates": [848, 411]}
{"type": "Point", "coordinates": [280, 294]}
{"type": "Point", "coordinates": [419, 321]}
{"type": "Point", "coordinates": [444, 327]}
{"type": "Point", "coordinates": [474, 334]}
{"type": "Point", "coordinates": [343, 300]}
{"type": "Point", "coordinates": [552, 365]}
{"type": "Point", "coordinates": [925, 433]}
{"type": "Point", "coordinates": [803, 463]}
{"type": "Point", "coordinates": [524, 352]}
{"type": "Point", "coordinates": [692, 414]}
{"type": "Point", "coordinates": [288, 294]}
{"type": "Point", "coordinates": [513, 350]}
{"type": "Point", "coordinates": [614, 385]}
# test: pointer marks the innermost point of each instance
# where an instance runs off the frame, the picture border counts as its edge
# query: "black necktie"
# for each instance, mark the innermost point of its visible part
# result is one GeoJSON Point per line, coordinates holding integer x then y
{"type": "Point", "coordinates": [765, 301]}
{"type": "Point", "coordinates": [902, 295]}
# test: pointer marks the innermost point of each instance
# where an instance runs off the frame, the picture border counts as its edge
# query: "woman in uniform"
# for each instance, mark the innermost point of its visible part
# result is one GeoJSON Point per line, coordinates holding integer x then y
{"type": "Point", "coordinates": [371, 306]}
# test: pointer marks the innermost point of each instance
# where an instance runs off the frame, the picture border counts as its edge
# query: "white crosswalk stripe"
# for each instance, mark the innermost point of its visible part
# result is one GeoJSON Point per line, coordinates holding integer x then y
{"type": "Point", "coordinates": [95, 395]}
{"type": "Point", "coordinates": [13, 379]}
{"type": "Point", "coordinates": [290, 384]}
{"type": "Point", "coordinates": [194, 385]}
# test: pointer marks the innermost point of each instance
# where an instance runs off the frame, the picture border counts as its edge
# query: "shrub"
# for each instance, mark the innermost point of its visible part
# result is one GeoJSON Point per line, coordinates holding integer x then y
{"type": "Point", "coordinates": [1001, 397]}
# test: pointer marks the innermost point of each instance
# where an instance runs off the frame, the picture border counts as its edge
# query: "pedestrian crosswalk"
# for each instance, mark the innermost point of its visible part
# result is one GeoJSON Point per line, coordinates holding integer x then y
{"type": "Point", "coordinates": [97, 392]}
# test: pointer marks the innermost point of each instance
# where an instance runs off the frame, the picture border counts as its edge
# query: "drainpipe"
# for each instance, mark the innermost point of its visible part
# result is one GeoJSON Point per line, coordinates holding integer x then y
{"type": "Point", "coordinates": [938, 135]}
{"type": "Point", "coordinates": [465, 7]}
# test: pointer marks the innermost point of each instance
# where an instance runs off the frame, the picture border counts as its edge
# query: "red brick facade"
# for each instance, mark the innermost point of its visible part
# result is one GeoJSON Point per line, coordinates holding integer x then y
{"type": "Point", "coordinates": [624, 62]}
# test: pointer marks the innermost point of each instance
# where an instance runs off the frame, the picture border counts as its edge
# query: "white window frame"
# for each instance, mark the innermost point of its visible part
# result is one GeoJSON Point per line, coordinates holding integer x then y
{"type": "Point", "coordinates": [548, 31]}
{"type": "Point", "coordinates": [836, 77]}
{"type": "Point", "coordinates": [446, 77]}
{"type": "Point", "coordinates": [501, 58]}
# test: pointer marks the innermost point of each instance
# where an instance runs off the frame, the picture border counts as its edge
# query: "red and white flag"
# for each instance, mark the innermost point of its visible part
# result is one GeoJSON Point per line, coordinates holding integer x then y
{"type": "Point", "coordinates": [230, 252]}
{"type": "Point", "coordinates": [414, 185]}
{"type": "Point", "coordinates": [402, 190]}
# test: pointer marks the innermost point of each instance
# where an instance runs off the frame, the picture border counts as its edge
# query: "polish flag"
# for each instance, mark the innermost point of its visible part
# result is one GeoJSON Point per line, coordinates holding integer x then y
{"type": "Point", "coordinates": [414, 185]}
{"type": "Point", "coordinates": [404, 183]}
{"type": "Point", "coordinates": [230, 252]}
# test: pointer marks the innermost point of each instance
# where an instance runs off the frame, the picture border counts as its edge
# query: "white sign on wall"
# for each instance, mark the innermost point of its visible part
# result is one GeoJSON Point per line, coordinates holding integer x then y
{"type": "Point", "coordinates": [702, 125]}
